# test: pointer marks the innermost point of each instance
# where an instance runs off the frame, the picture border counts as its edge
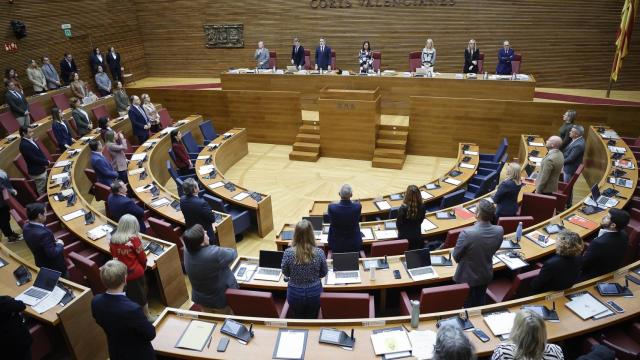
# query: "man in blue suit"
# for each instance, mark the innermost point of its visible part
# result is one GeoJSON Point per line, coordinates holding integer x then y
{"type": "Point", "coordinates": [47, 250]}
{"type": "Point", "coordinates": [344, 231]}
{"type": "Point", "coordinates": [104, 171]}
{"type": "Point", "coordinates": [323, 56]}
{"type": "Point", "coordinates": [196, 210]}
{"type": "Point", "coordinates": [128, 331]}
{"type": "Point", "coordinates": [505, 56]}
{"type": "Point", "coordinates": [119, 204]}
{"type": "Point", "coordinates": [573, 154]}
{"type": "Point", "coordinates": [36, 161]}
{"type": "Point", "coordinates": [139, 120]}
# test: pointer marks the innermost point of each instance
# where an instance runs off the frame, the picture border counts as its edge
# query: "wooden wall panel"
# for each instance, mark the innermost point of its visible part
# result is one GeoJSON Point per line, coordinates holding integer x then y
{"type": "Point", "coordinates": [437, 123]}
{"type": "Point", "coordinates": [564, 43]}
{"type": "Point", "coordinates": [98, 23]}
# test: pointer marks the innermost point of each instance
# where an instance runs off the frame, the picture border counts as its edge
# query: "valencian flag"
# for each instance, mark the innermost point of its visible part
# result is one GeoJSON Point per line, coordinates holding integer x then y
{"type": "Point", "coordinates": [629, 11]}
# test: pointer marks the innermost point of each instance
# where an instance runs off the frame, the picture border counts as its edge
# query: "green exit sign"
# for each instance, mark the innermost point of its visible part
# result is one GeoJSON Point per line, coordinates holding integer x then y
{"type": "Point", "coordinates": [67, 33]}
{"type": "Point", "coordinates": [67, 30]}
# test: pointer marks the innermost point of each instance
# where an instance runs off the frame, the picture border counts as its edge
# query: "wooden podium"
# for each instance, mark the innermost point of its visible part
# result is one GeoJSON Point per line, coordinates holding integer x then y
{"type": "Point", "coordinates": [349, 121]}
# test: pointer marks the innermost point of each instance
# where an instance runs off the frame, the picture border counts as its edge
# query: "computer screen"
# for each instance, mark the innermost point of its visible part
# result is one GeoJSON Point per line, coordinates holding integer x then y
{"type": "Point", "coordinates": [47, 279]}
{"type": "Point", "coordinates": [270, 259]}
{"type": "Point", "coordinates": [417, 258]}
{"type": "Point", "coordinates": [345, 261]}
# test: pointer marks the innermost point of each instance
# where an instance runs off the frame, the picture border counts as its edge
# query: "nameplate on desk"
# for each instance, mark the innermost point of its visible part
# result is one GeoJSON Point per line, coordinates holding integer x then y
{"type": "Point", "coordinates": [277, 324]}
{"type": "Point", "coordinates": [452, 181]}
{"type": "Point", "coordinates": [469, 152]}
{"type": "Point", "coordinates": [554, 295]}
{"type": "Point", "coordinates": [203, 157]}
{"type": "Point", "coordinates": [467, 166]}
{"type": "Point", "coordinates": [536, 144]}
{"type": "Point", "coordinates": [374, 323]}
{"type": "Point", "coordinates": [73, 215]}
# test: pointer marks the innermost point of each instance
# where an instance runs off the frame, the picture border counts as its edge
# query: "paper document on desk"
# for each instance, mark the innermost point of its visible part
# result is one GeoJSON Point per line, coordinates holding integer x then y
{"type": "Point", "coordinates": [160, 202]}
{"type": "Point", "coordinates": [467, 166]}
{"type": "Point", "coordinates": [203, 157]}
{"type": "Point", "coordinates": [426, 226]}
{"type": "Point", "coordinates": [367, 233]}
{"type": "Point", "coordinates": [535, 159]}
{"type": "Point", "coordinates": [168, 130]}
{"type": "Point", "coordinates": [216, 185]}
{"type": "Point", "coordinates": [422, 343]}
{"type": "Point", "coordinates": [196, 336]}
{"type": "Point", "coordinates": [99, 231]}
{"type": "Point", "coordinates": [535, 144]}
{"type": "Point", "coordinates": [386, 234]}
{"type": "Point", "coordinates": [452, 181]}
{"type": "Point", "coordinates": [138, 156]}
{"type": "Point", "coordinates": [586, 306]}
{"type": "Point", "coordinates": [621, 182]}
{"type": "Point", "coordinates": [610, 134]}
{"type": "Point", "coordinates": [204, 170]}
{"type": "Point", "coordinates": [143, 188]}
{"type": "Point", "coordinates": [425, 195]}
{"type": "Point", "coordinates": [136, 171]}
{"type": "Point", "coordinates": [625, 164]}
{"type": "Point", "coordinates": [383, 205]}
{"type": "Point", "coordinates": [500, 323]}
{"type": "Point", "coordinates": [62, 163]}
{"type": "Point", "coordinates": [469, 152]}
{"type": "Point", "coordinates": [291, 344]}
{"type": "Point", "coordinates": [389, 342]}
{"type": "Point", "coordinates": [241, 196]}
{"type": "Point", "coordinates": [50, 300]}
{"type": "Point", "coordinates": [60, 176]}
{"type": "Point", "coordinates": [512, 263]}
{"type": "Point", "coordinates": [73, 215]}
{"type": "Point", "coordinates": [617, 149]}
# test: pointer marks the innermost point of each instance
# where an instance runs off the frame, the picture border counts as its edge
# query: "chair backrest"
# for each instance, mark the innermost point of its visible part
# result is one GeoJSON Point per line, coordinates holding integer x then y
{"type": "Point", "coordinates": [389, 248]}
{"type": "Point", "coordinates": [26, 193]}
{"type": "Point", "coordinates": [37, 111]}
{"type": "Point", "coordinates": [20, 220]}
{"type": "Point", "coordinates": [44, 150]}
{"type": "Point", "coordinates": [73, 124]}
{"type": "Point", "coordinates": [100, 111]}
{"type": "Point", "coordinates": [486, 183]}
{"type": "Point", "coordinates": [377, 60]}
{"type": "Point", "coordinates": [480, 63]}
{"type": "Point", "coordinates": [90, 270]}
{"type": "Point", "coordinates": [14, 204]}
{"type": "Point", "coordinates": [345, 305]}
{"type": "Point", "coordinates": [52, 137]}
{"type": "Point", "coordinates": [208, 131]}
{"type": "Point", "coordinates": [215, 203]}
{"type": "Point", "coordinates": [273, 59]}
{"type": "Point", "coordinates": [19, 163]}
{"type": "Point", "coordinates": [510, 223]}
{"type": "Point", "coordinates": [165, 118]}
{"type": "Point", "coordinates": [520, 285]}
{"type": "Point", "coordinates": [633, 245]}
{"type": "Point", "coordinates": [307, 59]}
{"type": "Point", "coordinates": [516, 63]}
{"type": "Point", "coordinates": [452, 199]}
{"type": "Point", "coordinates": [61, 101]}
{"type": "Point", "coordinates": [452, 238]}
{"type": "Point", "coordinates": [91, 174]}
{"type": "Point", "coordinates": [189, 142]}
{"type": "Point", "coordinates": [540, 207]}
{"type": "Point", "coordinates": [561, 201]}
{"type": "Point", "coordinates": [333, 59]}
{"type": "Point", "coordinates": [443, 298]}
{"type": "Point", "coordinates": [252, 303]}
{"type": "Point", "coordinates": [172, 156]}
{"type": "Point", "coordinates": [502, 150]}
{"type": "Point", "coordinates": [101, 191]}
{"type": "Point", "coordinates": [169, 233]}
{"type": "Point", "coordinates": [572, 181]}
{"type": "Point", "coordinates": [8, 122]}
{"type": "Point", "coordinates": [415, 60]}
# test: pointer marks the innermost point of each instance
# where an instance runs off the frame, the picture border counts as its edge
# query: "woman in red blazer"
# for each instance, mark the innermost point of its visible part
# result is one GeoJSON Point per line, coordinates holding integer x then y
{"type": "Point", "coordinates": [182, 159]}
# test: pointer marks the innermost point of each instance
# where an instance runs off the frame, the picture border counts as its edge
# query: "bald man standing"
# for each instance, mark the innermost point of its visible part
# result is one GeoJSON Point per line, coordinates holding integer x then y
{"type": "Point", "coordinates": [550, 167]}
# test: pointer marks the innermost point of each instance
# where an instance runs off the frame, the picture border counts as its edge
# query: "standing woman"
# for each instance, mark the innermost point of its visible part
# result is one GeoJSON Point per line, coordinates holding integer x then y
{"type": "Point", "coordinates": [182, 159]}
{"type": "Point", "coordinates": [78, 87]}
{"type": "Point", "coordinates": [471, 57]}
{"type": "Point", "coordinates": [506, 197]}
{"type": "Point", "coordinates": [528, 340]}
{"type": "Point", "coordinates": [125, 245]}
{"type": "Point", "coordinates": [80, 117]}
{"type": "Point", "coordinates": [304, 264]}
{"type": "Point", "coordinates": [122, 99]}
{"type": "Point", "coordinates": [410, 216]}
{"type": "Point", "coordinates": [5, 217]}
{"type": "Point", "coordinates": [117, 145]}
{"type": "Point", "coordinates": [61, 131]}
{"type": "Point", "coordinates": [428, 54]}
{"type": "Point", "coordinates": [113, 60]}
{"type": "Point", "coordinates": [152, 113]}
{"type": "Point", "coordinates": [36, 77]}
{"type": "Point", "coordinates": [366, 57]}
{"type": "Point", "coordinates": [103, 125]}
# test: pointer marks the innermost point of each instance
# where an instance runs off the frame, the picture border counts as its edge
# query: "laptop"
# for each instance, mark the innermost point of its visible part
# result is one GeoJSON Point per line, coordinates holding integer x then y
{"type": "Point", "coordinates": [346, 267]}
{"type": "Point", "coordinates": [269, 266]}
{"type": "Point", "coordinates": [531, 173]}
{"type": "Point", "coordinates": [45, 283]}
{"type": "Point", "coordinates": [419, 264]}
{"type": "Point", "coordinates": [600, 200]}
{"type": "Point", "coordinates": [316, 222]}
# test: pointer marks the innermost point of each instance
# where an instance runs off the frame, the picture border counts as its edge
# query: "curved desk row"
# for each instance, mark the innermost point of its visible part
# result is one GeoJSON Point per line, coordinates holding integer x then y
{"type": "Point", "coordinates": [222, 153]}
{"type": "Point", "coordinates": [44, 98]}
{"type": "Point", "coordinates": [447, 184]}
{"type": "Point", "coordinates": [173, 322]}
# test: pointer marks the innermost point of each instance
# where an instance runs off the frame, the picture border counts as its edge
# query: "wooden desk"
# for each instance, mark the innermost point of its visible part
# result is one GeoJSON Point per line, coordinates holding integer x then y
{"type": "Point", "coordinates": [395, 90]}
{"type": "Point", "coordinates": [44, 98]}
{"type": "Point", "coordinates": [74, 319]}
{"type": "Point", "coordinates": [172, 322]}
{"type": "Point", "coordinates": [227, 153]}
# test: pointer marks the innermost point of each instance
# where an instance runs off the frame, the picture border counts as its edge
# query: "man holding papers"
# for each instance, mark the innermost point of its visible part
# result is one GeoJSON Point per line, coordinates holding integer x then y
{"type": "Point", "coordinates": [607, 252]}
{"type": "Point", "coordinates": [550, 167]}
{"type": "Point", "coordinates": [344, 232]}
{"type": "Point", "coordinates": [47, 250]}
{"type": "Point", "coordinates": [474, 251]}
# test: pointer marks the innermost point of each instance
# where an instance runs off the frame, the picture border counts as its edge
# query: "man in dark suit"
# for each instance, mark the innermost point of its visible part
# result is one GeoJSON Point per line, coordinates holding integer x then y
{"type": "Point", "coordinates": [128, 331]}
{"type": "Point", "coordinates": [36, 161]}
{"type": "Point", "coordinates": [18, 104]}
{"type": "Point", "coordinates": [573, 154]}
{"type": "Point", "coordinates": [97, 59]}
{"type": "Point", "coordinates": [344, 231]}
{"type": "Point", "coordinates": [297, 54]}
{"type": "Point", "coordinates": [47, 250]}
{"type": "Point", "coordinates": [323, 56]}
{"type": "Point", "coordinates": [119, 204]}
{"type": "Point", "coordinates": [67, 67]}
{"type": "Point", "coordinates": [139, 120]}
{"type": "Point", "coordinates": [113, 60]}
{"type": "Point", "coordinates": [16, 339]}
{"type": "Point", "coordinates": [505, 57]}
{"type": "Point", "coordinates": [104, 171]}
{"type": "Point", "coordinates": [196, 210]}
{"type": "Point", "coordinates": [607, 252]}
{"type": "Point", "coordinates": [473, 253]}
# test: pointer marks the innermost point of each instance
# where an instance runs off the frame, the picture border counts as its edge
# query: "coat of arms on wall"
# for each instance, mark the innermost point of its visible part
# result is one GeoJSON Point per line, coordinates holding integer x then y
{"type": "Point", "coordinates": [224, 36]}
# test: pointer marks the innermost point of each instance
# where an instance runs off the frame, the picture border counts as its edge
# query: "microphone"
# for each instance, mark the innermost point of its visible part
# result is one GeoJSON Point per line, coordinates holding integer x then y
{"type": "Point", "coordinates": [251, 330]}
{"type": "Point", "coordinates": [352, 338]}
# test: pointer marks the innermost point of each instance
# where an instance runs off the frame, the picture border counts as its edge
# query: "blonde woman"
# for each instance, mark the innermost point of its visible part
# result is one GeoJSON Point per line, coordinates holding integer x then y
{"type": "Point", "coordinates": [304, 264]}
{"type": "Point", "coordinates": [528, 340]}
{"type": "Point", "coordinates": [562, 270]}
{"type": "Point", "coordinates": [506, 197]}
{"type": "Point", "coordinates": [471, 57]}
{"type": "Point", "coordinates": [152, 113]}
{"type": "Point", "coordinates": [428, 54]}
{"type": "Point", "coordinates": [126, 246]}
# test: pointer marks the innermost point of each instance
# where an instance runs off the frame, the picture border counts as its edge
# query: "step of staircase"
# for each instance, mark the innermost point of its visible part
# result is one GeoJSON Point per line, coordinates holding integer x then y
{"type": "Point", "coordinates": [304, 146]}
{"type": "Point", "coordinates": [309, 129]}
{"type": "Point", "coordinates": [389, 153]}
{"type": "Point", "coordinates": [310, 138]}
{"type": "Point", "coordinates": [379, 162]}
{"type": "Point", "coordinates": [393, 134]}
{"type": "Point", "coordinates": [394, 127]}
{"type": "Point", "coordinates": [304, 156]}
{"type": "Point", "coordinates": [390, 143]}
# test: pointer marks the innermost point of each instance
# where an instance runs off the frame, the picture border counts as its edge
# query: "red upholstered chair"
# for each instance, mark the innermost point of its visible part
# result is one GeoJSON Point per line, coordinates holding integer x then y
{"type": "Point", "coordinates": [436, 299]}
{"type": "Point", "coordinates": [273, 59]}
{"type": "Point", "coordinates": [510, 223]}
{"type": "Point", "coordinates": [624, 340]}
{"type": "Point", "coordinates": [452, 238]}
{"type": "Point", "coordinates": [27, 191]}
{"type": "Point", "coordinates": [91, 271]}
{"type": "Point", "coordinates": [516, 63]}
{"type": "Point", "coordinates": [100, 111]}
{"type": "Point", "coordinates": [21, 210]}
{"type": "Point", "coordinates": [540, 207]}
{"type": "Point", "coordinates": [389, 248]}
{"type": "Point", "coordinates": [101, 192]}
{"type": "Point", "coordinates": [377, 60]}
{"type": "Point", "coordinates": [567, 187]}
{"type": "Point", "coordinates": [91, 175]}
{"type": "Point", "coordinates": [346, 306]}
{"type": "Point", "coordinates": [37, 111]}
{"type": "Point", "coordinates": [8, 123]}
{"type": "Point", "coordinates": [633, 250]}
{"type": "Point", "coordinates": [52, 138]}
{"type": "Point", "coordinates": [504, 289]}
{"type": "Point", "coordinates": [165, 118]}
{"type": "Point", "coordinates": [42, 340]}
{"type": "Point", "coordinates": [195, 307]}
{"type": "Point", "coordinates": [21, 165]}
{"type": "Point", "coordinates": [480, 63]}
{"type": "Point", "coordinates": [307, 59]}
{"type": "Point", "coordinates": [61, 101]}
{"type": "Point", "coordinates": [51, 157]}
{"type": "Point", "coordinates": [169, 233]}
{"type": "Point", "coordinates": [255, 303]}
{"type": "Point", "coordinates": [561, 201]}
{"type": "Point", "coordinates": [333, 59]}
{"type": "Point", "coordinates": [415, 60]}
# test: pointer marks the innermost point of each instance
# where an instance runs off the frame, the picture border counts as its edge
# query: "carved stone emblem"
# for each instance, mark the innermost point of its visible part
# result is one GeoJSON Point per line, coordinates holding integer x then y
{"type": "Point", "coordinates": [224, 36]}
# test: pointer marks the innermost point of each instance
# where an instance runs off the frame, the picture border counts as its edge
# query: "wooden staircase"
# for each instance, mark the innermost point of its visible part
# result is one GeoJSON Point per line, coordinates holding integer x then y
{"type": "Point", "coordinates": [391, 147]}
{"type": "Point", "coordinates": [307, 145]}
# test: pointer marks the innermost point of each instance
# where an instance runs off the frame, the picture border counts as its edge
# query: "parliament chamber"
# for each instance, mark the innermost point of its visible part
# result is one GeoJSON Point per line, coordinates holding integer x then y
{"type": "Point", "coordinates": [295, 180]}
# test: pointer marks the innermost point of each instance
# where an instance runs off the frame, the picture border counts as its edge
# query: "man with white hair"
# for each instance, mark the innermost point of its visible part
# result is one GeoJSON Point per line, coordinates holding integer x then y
{"type": "Point", "coordinates": [550, 167]}
{"type": "Point", "coordinates": [262, 56]}
{"type": "Point", "coordinates": [505, 56]}
{"type": "Point", "coordinates": [344, 232]}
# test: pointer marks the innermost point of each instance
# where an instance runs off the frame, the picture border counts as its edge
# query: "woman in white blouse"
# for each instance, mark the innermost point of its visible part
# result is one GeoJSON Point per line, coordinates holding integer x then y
{"type": "Point", "coordinates": [152, 113]}
{"type": "Point", "coordinates": [429, 54]}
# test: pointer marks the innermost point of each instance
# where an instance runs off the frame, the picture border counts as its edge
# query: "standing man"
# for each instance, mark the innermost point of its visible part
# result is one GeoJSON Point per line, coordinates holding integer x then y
{"type": "Point", "coordinates": [573, 154]}
{"type": "Point", "coordinates": [119, 204]}
{"type": "Point", "coordinates": [262, 56]}
{"type": "Point", "coordinates": [505, 56]}
{"type": "Point", "coordinates": [18, 104]}
{"type": "Point", "coordinates": [47, 250]}
{"type": "Point", "coordinates": [607, 252]}
{"type": "Point", "coordinates": [139, 120]}
{"type": "Point", "coordinates": [113, 60]}
{"type": "Point", "coordinates": [195, 209]}
{"type": "Point", "coordinates": [568, 119]}
{"type": "Point", "coordinates": [50, 74]}
{"type": "Point", "coordinates": [344, 231]}
{"type": "Point", "coordinates": [36, 161]}
{"type": "Point", "coordinates": [297, 54]}
{"type": "Point", "coordinates": [473, 253]}
{"type": "Point", "coordinates": [105, 174]}
{"type": "Point", "coordinates": [550, 167]}
{"type": "Point", "coordinates": [67, 67]}
{"type": "Point", "coordinates": [323, 56]}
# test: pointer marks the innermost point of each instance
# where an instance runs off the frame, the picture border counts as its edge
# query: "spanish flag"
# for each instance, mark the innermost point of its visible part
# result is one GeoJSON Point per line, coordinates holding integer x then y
{"type": "Point", "coordinates": [629, 11]}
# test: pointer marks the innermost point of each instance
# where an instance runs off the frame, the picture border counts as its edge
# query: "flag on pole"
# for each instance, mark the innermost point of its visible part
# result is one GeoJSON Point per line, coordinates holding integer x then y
{"type": "Point", "coordinates": [629, 11]}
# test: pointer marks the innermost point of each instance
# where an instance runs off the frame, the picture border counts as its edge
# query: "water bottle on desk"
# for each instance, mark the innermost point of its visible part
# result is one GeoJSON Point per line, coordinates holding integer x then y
{"type": "Point", "coordinates": [519, 232]}
{"type": "Point", "coordinates": [372, 273]}
{"type": "Point", "coordinates": [415, 313]}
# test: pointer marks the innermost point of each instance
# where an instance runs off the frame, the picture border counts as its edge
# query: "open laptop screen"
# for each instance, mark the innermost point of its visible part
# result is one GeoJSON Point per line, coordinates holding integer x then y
{"type": "Point", "coordinates": [47, 279]}
{"type": "Point", "coordinates": [417, 258]}
{"type": "Point", "coordinates": [346, 261]}
{"type": "Point", "coordinates": [316, 221]}
{"type": "Point", "coordinates": [270, 259]}
{"type": "Point", "coordinates": [595, 192]}
{"type": "Point", "coordinates": [529, 169]}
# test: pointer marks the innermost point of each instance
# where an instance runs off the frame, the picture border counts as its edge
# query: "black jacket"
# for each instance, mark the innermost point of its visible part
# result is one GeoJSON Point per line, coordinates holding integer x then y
{"type": "Point", "coordinates": [557, 273]}
{"type": "Point", "coordinates": [17, 103]}
{"type": "Point", "coordinates": [197, 211]}
{"type": "Point", "coordinates": [66, 70]}
{"type": "Point", "coordinates": [36, 161]}
{"type": "Point", "coordinates": [506, 198]}
{"type": "Point", "coordinates": [605, 254]}
{"type": "Point", "coordinates": [410, 228]}
{"type": "Point", "coordinates": [46, 251]}
{"type": "Point", "coordinates": [298, 57]}
{"type": "Point", "coordinates": [15, 339]}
